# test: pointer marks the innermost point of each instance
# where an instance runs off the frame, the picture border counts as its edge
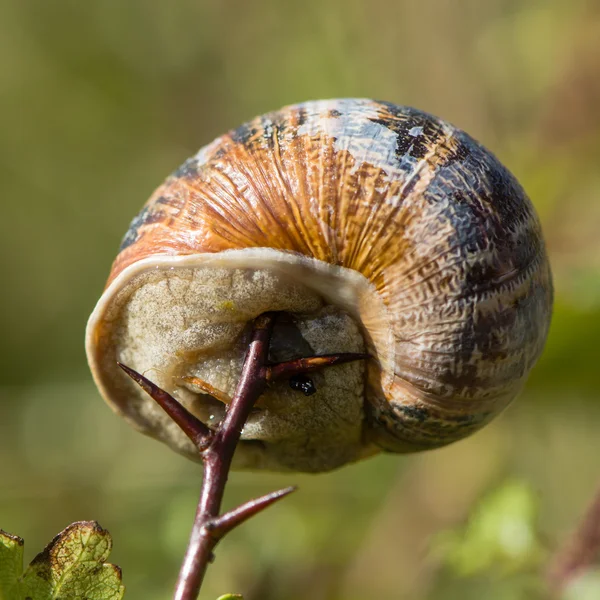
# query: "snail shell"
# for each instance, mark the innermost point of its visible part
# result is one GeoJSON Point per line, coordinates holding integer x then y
{"type": "Point", "coordinates": [371, 226]}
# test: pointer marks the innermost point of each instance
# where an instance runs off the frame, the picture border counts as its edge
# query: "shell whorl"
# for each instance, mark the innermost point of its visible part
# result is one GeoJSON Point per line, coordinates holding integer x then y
{"type": "Point", "coordinates": [443, 233]}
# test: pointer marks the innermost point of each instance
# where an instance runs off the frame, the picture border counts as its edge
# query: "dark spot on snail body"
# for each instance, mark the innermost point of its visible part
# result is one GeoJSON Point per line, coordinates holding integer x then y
{"type": "Point", "coordinates": [130, 238]}
{"type": "Point", "coordinates": [417, 133]}
{"type": "Point", "coordinates": [266, 135]}
{"type": "Point", "coordinates": [245, 133]}
{"type": "Point", "coordinates": [132, 233]}
{"type": "Point", "coordinates": [170, 201]}
{"type": "Point", "coordinates": [303, 384]}
{"type": "Point", "coordinates": [301, 116]}
{"type": "Point", "coordinates": [188, 169]}
{"type": "Point", "coordinates": [146, 216]}
{"type": "Point", "coordinates": [413, 412]}
{"type": "Point", "coordinates": [426, 427]}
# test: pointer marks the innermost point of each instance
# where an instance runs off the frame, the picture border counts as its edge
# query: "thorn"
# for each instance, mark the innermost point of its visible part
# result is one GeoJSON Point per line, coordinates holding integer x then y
{"type": "Point", "coordinates": [223, 524]}
{"type": "Point", "coordinates": [206, 387]}
{"type": "Point", "coordinates": [312, 363]}
{"type": "Point", "coordinates": [195, 429]}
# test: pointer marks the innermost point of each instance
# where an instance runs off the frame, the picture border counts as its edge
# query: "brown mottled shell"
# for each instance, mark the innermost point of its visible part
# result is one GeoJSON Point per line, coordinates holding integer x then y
{"type": "Point", "coordinates": [408, 224]}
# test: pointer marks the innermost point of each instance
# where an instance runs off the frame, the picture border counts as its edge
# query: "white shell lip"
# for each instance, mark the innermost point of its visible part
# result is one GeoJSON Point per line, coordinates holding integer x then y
{"type": "Point", "coordinates": [338, 285]}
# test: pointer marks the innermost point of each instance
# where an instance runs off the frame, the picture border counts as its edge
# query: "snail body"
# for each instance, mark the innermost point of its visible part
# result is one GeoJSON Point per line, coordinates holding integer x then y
{"type": "Point", "coordinates": [371, 227]}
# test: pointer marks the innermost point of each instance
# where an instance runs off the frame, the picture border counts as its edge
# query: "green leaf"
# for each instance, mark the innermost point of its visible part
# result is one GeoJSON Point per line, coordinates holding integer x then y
{"type": "Point", "coordinates": [500, 535]}
{"type": "Point", "coordinates": [230, 597]}
{"type": "Point", "coordinates": [72, 566]}
{"type": "Point", "coordinates": [11, 565]}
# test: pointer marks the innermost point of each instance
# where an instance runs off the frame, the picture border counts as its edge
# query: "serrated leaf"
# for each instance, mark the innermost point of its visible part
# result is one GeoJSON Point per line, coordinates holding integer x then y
{"type": "Point", "coordinates": [11, 565]}
{"type": "Point", "coordinates": [72, 566]}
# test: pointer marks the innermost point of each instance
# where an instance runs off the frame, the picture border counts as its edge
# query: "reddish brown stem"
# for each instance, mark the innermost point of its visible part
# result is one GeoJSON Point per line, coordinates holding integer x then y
{"type": "Point", "coordinates": [217, 460]}
{"type": "Point", "coordinates": [217, 448]}
{"type": "Point", "coordinates": [312, 363]}
{"type": "Point", "coordinates": [195, 429]}
{"type": "Point", "coordinates": [223, 524]}
{"type": "Point", "coordinates": [580, 551]}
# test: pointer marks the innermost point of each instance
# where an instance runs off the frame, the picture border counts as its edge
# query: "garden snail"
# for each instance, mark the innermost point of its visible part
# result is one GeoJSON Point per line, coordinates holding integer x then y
{"type": "Point", "coordinates": [371, 227]}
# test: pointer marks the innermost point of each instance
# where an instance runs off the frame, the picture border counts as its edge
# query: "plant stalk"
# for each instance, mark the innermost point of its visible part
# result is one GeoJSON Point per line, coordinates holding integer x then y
{"type": "Point", "coordinates": [216, 448]}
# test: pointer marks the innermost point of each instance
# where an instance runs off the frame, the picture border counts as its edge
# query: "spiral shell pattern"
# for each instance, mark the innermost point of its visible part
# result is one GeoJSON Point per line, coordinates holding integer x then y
{"type": "Point", "coordinates": [443, 233]}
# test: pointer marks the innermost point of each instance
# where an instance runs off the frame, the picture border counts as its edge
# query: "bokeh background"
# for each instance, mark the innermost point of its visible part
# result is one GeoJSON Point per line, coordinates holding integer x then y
{"type": "Point", "coordinates": [99, 101]}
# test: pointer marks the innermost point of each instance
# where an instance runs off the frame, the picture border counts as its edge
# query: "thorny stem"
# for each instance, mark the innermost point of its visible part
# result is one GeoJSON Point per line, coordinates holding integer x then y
{"type": "Point", "coordinates": [306, 365]}
{"type": "Point", "coordinates": [580, 551]}
{"type": "Point", "coordinates": [193, 427]}
{"type": "Point", "coordinates": [217, 447]}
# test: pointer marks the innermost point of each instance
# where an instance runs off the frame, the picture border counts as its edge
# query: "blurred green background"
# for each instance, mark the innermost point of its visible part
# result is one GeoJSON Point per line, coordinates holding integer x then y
{"type": "Point", "coordinates": [99, 101]}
